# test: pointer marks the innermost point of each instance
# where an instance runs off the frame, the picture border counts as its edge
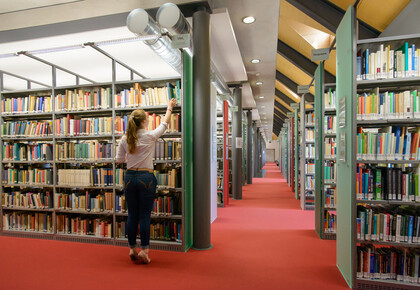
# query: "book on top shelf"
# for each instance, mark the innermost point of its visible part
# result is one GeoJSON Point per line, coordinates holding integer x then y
{"type": "Point", "coordinates": [25, 105]}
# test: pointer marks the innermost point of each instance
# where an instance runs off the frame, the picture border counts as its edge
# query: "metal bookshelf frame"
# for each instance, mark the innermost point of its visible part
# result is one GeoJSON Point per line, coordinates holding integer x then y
{"type": "Point", "coordinates": [347, 86]}
{"type": "Point", "coordinates": [52, 90]}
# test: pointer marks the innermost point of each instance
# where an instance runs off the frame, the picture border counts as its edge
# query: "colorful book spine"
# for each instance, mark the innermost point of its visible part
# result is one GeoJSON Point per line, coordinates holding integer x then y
{"type": "Point", "coordinates": [330, 99]}
{"type": "Point", "coordinates": [309, 135]}
{"type": "Point", "coordinates": [330, 171]}
{"type": "Point", "coordinates": [330, 197]}
{"type": "Point", "coordinates": [27, 151]}
{"type": "Point", "coordinates": [391, 264]}
{"type": "Point", "coordinates": [159, 230]}
{"type": "Point", "coordinates": [88, 202]}
{"type": "Point", "coordinates": [84, 151]}
{"type": "Point", "coordinates": [72, 126]}
{"type": "Point", "coordinates": [174, 124]}
{"type": "Point", "coordinates": [84, 226]}
{"type": "Point", "coordinates": [34, 176]}
{"type": "Point", "coordinates": [27, 128]}
{"type": "Point", "coordinates": [30, 222]}
{"type": "Point", "coordinates": [310, 151]}
{"type": "Point", "coordinates": [82, 100]}
{"type": "Point", "coordinates": [18, 199]}
{"type": "Point", "coordinates": [139, 96]}
{"type": "Point", "coordinates": [330, 124]}
{"type": "Point", "coordinates": [85, 177]}
{"type": "Point", "coordinates": [27, 105]}
{"type": "Point", "coordinates": [330, 148]}
{"type": "Point", "coordinates": [168, 150]}
{"type": "Point", "coordinates": [310, 168]}
{"type": "Point", "coordinates": [309, 182]}
{"type": "Point", "coordinates": [330, 223]}
{"type": "Point", "coordinates": [310, 119]}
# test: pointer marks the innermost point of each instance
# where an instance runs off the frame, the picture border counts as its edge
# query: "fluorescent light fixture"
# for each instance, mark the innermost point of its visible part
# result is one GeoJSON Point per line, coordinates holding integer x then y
{"type": "Point", "coordinates": [262, 106]}
{"type": "Point", "coordinates": [248, 20]}
{"type": "Point", "coordinates": [259, 83]}
{"type": "Point", "coordinates": [257, 74]}
{"type": "Point", "coordinates": [255, 60]}
{"type": "Point", "coordinates": [261, 97]}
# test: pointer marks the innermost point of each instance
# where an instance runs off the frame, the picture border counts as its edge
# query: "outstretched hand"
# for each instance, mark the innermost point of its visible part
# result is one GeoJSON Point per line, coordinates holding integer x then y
{"type": "Point", "coordinates": [172, 103]}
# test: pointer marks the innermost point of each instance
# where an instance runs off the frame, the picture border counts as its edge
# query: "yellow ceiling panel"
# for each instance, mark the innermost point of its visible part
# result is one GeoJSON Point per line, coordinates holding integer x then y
{"type": "Point", "coordinates": [277, 109]}
{"type": "Point", "coordinates": [274, 137]}
{"type": "Point", "coordinates": [377, 13]}
{"type": "Point", "coordinates": [293, 72]}
{"type": "Point", "coordinates": [282, 88]}
{"type": "Point", "coordinates": [283, 103]}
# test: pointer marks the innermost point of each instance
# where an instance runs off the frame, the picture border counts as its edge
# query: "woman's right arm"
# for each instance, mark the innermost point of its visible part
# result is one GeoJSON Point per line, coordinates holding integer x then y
{"type": "Point", "coordinates": [121, 151]}
{"type": "Point", "coordinates": [171, 105]}
{"type": "Point", "coordinates": [164, 125]}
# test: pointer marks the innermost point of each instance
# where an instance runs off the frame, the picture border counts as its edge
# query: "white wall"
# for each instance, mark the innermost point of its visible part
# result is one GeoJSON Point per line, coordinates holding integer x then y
{"type": "Point", "coordinates": [273, 145]}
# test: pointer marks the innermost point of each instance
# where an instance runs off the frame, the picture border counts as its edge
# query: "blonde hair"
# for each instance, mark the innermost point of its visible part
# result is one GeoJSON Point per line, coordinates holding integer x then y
{"type": "Point", "coordinates": [134, 123]}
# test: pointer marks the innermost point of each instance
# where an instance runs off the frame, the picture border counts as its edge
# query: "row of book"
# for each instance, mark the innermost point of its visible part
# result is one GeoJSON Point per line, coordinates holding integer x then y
{"type": "Point", "coordinates": [385, 183]}
{"type": "Point", "coordinates": [330, 147]}
{"type": "Point", "coordinates": [330, 171]}
{"type": "Point", "coordinates": [310, 151]}
{"type": "Point", "coordinates": [309, 135]}
{"type": "Point", "coordinates": [139, 96]}
{"type": "Point", "coordinates": [382, 224]}
{"type": "Point", "coordinates": [89, 202]}
{"type": "Point", "coordinates": [330, 223]}
{"type": "Point", "coordinates": [388, 62]}
{"type": "Point", "coordinates": [33, 222]}
{"type": "Point", "coordinates": [168, 150]}
{"type": "Point", "coordinates": [18, 199]}
{"type": "Point", "coordinates": [84, 150]}
{"type": "Point", "coordinates": [388, 263]}
{"type": "Point", "coordinates": [330, 196]}
{"type": "Point", "coordinates": [33, 176]}
{"type": "Point", "coordinates": [85, 177]}
{"type": "Point", "coordinates": [310, 168]}
{"type": "Point", "coordinates": [309, 182]}
{"type": "Point", "coordinates": [81, 100]}
{"type": "Point", "coordinates": [76, 126]}
{"type": "Point", "coordinates": [168, 177]}
{"type": "Point", "coordinates": [162, 205]}
{"type": "Point", "coordinates": [310, 119]}
{"type": "Point", "coordinates": [330, 126]}
{"type": "Point", "coordinates": [388, 143]}
{"type": "Point", "coordinates": [25, 105]}
{"type": "Point", "coordinates": [84, 226]}
{"type": "Point", "coordinates": [330, 99]}
{"type": "Point", "coordinates": [154, 121]}
{"type": "Point", "coordinates": [388, 105]}
{"type": "Point", "coordinates": [29, 151]}
{"type": "Point", "coordinates": [159, 230]}
{"type": "Point", "coordinates": [27, 128]}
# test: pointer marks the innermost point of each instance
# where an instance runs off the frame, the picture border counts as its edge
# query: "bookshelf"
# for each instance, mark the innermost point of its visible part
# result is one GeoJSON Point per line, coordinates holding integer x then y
{"type": "Point", "coordinates": [224, 158]}
{"type": "Point", "coordinates": [296, 146]}
{"type": "Point", "coordinates": [293, 179]}
{"type": "Point", "coordinates": [61, 180]}
{"type": "Point", "coordinates": [325, 168]}
{"type": "Point", "coordinates": [307, 156]}
{"type": "Point", "coordinates": [289, 152]}
{"type": "Point", "coordinates": [391, 200]}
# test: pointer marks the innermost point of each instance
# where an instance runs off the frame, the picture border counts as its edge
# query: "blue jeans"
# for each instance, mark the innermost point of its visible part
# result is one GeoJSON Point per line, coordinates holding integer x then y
{"type": "Point", "coordinates": [140, 188]}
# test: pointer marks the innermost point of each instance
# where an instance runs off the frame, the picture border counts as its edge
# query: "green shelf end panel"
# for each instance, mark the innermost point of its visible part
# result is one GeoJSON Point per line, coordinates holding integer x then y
{"type": "Point", "coordinates": [346, 88]}
{"type": "Point", "coordinates": [296, 155]}
{"type": "Point", "coordinates": [319, 145]}
{"type": "Point", "coordinates": [188, 148]}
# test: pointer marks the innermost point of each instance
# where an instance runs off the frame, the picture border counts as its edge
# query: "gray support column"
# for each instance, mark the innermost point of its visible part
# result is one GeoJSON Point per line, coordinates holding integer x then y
{"type": "Point", "coordinates": [249, 163]}
{"type": "Point", "coordinates": [202, 132]}
{"type": "Point", "coordinates": [237, 151]}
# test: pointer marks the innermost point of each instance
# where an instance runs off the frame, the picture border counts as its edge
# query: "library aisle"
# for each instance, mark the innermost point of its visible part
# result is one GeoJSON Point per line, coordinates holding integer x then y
{"type": "Point", "coordinates": [261, 242]}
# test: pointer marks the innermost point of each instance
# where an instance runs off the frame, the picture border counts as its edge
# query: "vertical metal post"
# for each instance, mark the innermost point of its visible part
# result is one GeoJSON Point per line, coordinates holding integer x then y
{"type": "Point", "coordinates": [202, 131]}
{"type": "Point", "coordinates": [54, 85]}
{"type": "Point", "coordinates": [249, 163]}
{"type": "Point", "coordinates": [237, 145]}
{"type": "Point", "coordinates": [114, 165]}
{"type": "Point", "coordinates": [1, 153]}
{"type": "Point", "coordinates": [255, 148]}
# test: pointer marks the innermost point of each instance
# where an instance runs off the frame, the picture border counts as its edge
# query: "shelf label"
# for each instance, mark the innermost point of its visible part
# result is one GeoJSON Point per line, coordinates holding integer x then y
{"type": "Point", "coordinates": [181, 40]}
{"type": "Point", "coordinates": [342, 112]}
{"type": "Point", "coordinates": [294, 106]}
{"type": "Point", "coordinates": [289, 114]}
{"type": "Point", "coordinates": [303, 89]}
{"type": "Point", "coordinates": [320, 54]}
{"type": "Point", "coordinates": [238, 143]}
{"type": "Point", "coordinates": [234, 108]}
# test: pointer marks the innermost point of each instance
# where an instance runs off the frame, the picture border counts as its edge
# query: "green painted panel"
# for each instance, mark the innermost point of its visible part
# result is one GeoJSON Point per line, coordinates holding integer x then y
{"type": "Point", "coordinates": [346, 86]}
{"type": "Point", "coordinates": [188, 147]}
{"type": "Point", "coordinates": [296, 161]}
{"type": "Point", "coordinates": [319, 148]}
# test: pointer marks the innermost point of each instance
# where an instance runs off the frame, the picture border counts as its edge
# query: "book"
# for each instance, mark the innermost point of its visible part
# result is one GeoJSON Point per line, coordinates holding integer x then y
{"type": "Point", "coordinates": [102, 177]}
{"type": "Point", "coordinates": [83, 99]}
{"type": "Point", "coordinates": [77, 126]}
{"type": "Point", "coordinates": [28, 222]}
{"type": "Point", "coordinates": [28, 199]}
{"type": "Point", "coordinates": [330, 125]}
{"type": "Point", "coordinates": [330, 150]}
{"type": "Point", "coordinates": [26, 128]}
{"type": "Point", "coordinates": [330, 223]}
{"type": "Point", "coordinates": [84, 226]}
{"type": "Point", "coordinates": [26, 105]}
{"type": "Point", "coordinates": [89, 150]}
{"type": "Point", "coordinates": [87, 201]}
{"type": "Point", "coordinates": [31, 176]}
{"type": "Point", "coordinates": [330, 193]}
{"type": "Point", "coordinates": [27, 151]}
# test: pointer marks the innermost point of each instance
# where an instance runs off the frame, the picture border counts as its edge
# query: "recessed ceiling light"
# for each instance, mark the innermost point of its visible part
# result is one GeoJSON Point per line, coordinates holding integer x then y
{"type": "Point", "coordinates": [248, 20]}
{"type": "Point", "coordinates": [255, 60]}
{"type": "Point", "coordinates": [262, 106]}
{"type": "Point", "coordinates": [257, 74]}
{"type": "Point", "coordinates": [261, 97]}
{"type": "Point", "coordinates": [259, 83]}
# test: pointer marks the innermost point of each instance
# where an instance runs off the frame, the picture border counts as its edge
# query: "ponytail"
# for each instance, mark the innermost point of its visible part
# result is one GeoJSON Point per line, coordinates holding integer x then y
{"type": "Point", "coordinates": [134, 123]}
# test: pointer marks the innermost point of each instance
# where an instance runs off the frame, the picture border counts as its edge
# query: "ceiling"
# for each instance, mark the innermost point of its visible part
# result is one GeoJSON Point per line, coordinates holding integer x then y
{"type": "Point", "coordinates": [257, 40]}
{"type": "Point", "coordinates": [302, 22]}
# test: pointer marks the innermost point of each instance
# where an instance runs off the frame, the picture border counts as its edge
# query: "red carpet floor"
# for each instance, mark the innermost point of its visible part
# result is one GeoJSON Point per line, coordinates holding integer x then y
{"type": "Point", "coordinates": [261, 242]}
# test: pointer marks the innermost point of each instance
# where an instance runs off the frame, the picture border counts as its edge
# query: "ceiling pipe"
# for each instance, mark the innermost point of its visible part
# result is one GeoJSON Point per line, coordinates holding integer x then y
{"type": "Point", "coordinates": [170, 17]}
{"type": "Point", "coordinates": [140, 23]}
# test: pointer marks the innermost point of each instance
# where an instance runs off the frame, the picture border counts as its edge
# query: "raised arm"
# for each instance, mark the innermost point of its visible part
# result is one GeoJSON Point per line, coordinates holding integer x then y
{"type": "Point", "coordinates": [171, 105]}
{"type": "Point", "coordinates": [164, 125]}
